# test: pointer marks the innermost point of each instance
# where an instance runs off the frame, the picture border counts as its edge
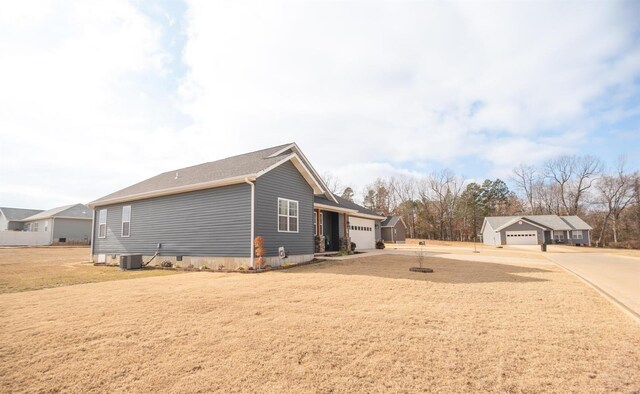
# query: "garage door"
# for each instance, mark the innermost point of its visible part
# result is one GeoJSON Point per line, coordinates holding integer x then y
{"type": "Point", "coordinates": [362, 232]}
{"type": "Point", "coordinates": [522, 237]}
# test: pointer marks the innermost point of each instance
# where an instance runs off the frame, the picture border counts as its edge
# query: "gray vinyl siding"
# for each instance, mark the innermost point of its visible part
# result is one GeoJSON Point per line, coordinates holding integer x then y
{"type": "Point", "coordinates": [378, 230]}
{"type": "Point", "coordinates": [584, 240]}
{"type": "Point", "coordinates": [74, 230]}
{"type": "Point", "coordinates": [211, 222]}
{"type": "Point", "coordinates": [386, 234]}
{"type": "Point", "coordinates": [284, 181]}
{"type": "Point", "coordinates": [520, 227]}
{"type": "Point", "coordinates": [400, 232]}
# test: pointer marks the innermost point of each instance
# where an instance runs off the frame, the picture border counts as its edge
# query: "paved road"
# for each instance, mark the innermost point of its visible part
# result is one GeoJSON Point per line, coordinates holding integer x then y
{"type": "Point", "coordinates": [619, 277]}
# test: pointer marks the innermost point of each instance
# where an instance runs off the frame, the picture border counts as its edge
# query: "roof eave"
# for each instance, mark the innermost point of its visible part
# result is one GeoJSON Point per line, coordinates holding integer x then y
{"type": "Point", "coordinates": [173, 190]}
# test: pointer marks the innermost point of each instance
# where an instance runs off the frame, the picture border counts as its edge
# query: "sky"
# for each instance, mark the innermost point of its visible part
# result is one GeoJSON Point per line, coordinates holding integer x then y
{"type": "Point", "coordinates": [97, 95]}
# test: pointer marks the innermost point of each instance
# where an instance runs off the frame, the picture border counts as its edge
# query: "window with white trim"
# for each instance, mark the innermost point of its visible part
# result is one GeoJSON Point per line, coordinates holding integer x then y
{"type": "Point", "coordinates": [126, 220]}
{"type": "Point", "coordinates": [46, 225]}
{"type": "Point", "coordinates": [102, 223]}
{"type": "Point", "coordinates": [287, 216]}
{"type": "Point", "coordinates": [576, 234]}
{"type": "Point", "coordinates": [35, 226]}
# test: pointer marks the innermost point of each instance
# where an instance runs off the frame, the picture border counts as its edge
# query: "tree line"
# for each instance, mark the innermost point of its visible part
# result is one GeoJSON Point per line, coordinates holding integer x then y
{"type": "Point", "coordinates": [445, 206]}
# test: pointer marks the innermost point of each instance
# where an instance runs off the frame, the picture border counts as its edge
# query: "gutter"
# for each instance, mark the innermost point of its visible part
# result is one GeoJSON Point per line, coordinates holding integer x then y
{"type": "Point", "coordinates": [253, 209]}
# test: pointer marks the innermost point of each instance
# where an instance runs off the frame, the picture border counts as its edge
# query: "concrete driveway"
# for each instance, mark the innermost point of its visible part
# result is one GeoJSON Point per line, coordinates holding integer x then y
{"type": "Point", "coordinates": [618, 277]}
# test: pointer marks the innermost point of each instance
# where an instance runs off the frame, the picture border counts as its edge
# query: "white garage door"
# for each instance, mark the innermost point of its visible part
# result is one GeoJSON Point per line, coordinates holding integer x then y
{"type": "Point", "coordinates": [362, 232]}
{"type": "Point", "coordinates": [522, 237]}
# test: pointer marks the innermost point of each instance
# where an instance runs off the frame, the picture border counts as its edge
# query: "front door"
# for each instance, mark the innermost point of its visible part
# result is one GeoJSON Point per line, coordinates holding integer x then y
{"type": "Point", "coordinates": [331, 231]}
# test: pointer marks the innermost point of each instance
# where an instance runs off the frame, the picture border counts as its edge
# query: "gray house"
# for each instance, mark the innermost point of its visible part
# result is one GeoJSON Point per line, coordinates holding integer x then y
{"type": "Point", "coordinates": [210, 214]}
{"type": "Point", "coordinates": [70, 224]}
{"type": "Point", "coordinates": [11, 218]}
{"type": "Point", "coordinates": [535, 230]}
{"type": "Point", "coordinates": [394, 230]}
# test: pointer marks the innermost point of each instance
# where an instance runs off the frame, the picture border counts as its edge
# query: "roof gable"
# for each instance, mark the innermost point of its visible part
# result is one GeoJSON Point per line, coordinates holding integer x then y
{"type": "Point", "coordinates": [392, 221]}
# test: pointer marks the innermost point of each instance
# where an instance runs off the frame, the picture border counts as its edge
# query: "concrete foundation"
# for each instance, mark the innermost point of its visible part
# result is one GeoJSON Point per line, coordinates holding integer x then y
{"type": "Point", "coordinates": [211, 262]}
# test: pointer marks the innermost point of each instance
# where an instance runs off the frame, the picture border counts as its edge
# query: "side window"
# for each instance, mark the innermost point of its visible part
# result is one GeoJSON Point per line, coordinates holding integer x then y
{"type": "Point", "coordinates": [287, 215]}
{"type": "Point", "coordinates": [126, 220]}
{"type": "Point", "coordinates": [102, 223]}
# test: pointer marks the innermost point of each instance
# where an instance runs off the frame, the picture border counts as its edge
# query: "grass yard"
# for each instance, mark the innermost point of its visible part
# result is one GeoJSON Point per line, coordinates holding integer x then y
{"type": "Point", "coordinates": [23, 269]}
{"type": "Point", "coordinates": [363, 325]}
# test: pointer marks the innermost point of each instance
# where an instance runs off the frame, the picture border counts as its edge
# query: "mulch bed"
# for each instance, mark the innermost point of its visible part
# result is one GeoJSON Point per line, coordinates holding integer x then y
{"type": "Point", "coordinates": [418, 269]}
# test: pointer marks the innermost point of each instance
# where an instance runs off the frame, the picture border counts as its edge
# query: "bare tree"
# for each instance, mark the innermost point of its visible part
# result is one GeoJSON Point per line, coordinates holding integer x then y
{"type": "Point", "coordinates": [404, 199]}
{"type": "Point", "coordinates": [586, 170]}
{"type": "Point", "coordinates": [446, 188]}
{"type": "Point", "coordinates": [616, 192]}
{"type": "Point", "coordinates": [560, 170]}
{"type": "Point", "coordinates": [573, 176]}
{"type": "Point", "coordinates": [525, 178]}
{"type": "Point", "coordinates": [332, 182]}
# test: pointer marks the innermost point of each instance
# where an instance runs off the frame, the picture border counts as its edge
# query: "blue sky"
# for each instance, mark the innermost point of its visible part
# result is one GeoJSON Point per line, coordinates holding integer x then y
{"type": "Point", "coordinates": [99, 95]}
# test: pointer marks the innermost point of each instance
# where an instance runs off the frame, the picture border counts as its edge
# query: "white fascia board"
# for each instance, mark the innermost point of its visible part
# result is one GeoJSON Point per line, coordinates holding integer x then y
{"type": "Point", "coordinates": [367, 216]}
{"type": "Point", "coordinates": [286, 148]}
{"type": "Point", "coordinates": [304, 171]}
{"type": "Point", "coordinates": [334, 209]}
{"type": "Point", "coordinates": [173, 190]}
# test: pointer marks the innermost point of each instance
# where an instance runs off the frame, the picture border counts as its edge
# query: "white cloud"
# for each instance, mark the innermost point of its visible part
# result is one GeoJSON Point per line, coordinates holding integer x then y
{"type": "Point", "coordinates": [73, 116]}
{"type": "Point", "coordinates": [365, 88]}
{"type": "Point", "coordinates": [404, 82]}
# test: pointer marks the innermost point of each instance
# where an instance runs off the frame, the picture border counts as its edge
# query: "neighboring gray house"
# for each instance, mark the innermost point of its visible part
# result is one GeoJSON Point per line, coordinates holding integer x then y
{"type": "Point", "coordinates": [535, 230]}
{"type": "Point", "coordinates": [70, 224]}
{"type": "Point", "coordinates": [210, 214]}
{"type": "Point", "coordinates": [11, 218]}
{"type": "Point", "coordinates": [394, 230]}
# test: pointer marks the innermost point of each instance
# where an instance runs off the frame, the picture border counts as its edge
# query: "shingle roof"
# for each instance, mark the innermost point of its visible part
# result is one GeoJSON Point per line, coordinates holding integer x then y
{"type": "Point", "coordinates": [231, 167]}
{"type": "Point", "coordinates": [343, 203]}
{"type": "Point", "coordinates": [576, 223]}
{"type": "Point", "coordinates": [79, 211]}
{"type": "Point", "coordinates": [552, 222]}
{"type": "Point", "coordinates": [390, 221]}
{"type": "Point", "coordinates": [17, 214]}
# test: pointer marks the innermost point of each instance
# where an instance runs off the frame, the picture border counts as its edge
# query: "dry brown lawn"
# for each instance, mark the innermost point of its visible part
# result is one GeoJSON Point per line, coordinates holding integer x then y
{"type": "Point", "coordinates": [23, 269]}
{"type": "Point", "coordinates": [364, 325]}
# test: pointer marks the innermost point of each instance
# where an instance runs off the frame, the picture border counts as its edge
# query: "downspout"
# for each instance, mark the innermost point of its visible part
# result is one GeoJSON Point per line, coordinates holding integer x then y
{"type": "Point", "coordinates": [253, 208]}
{"type": "Point", "coordinates": [93, 227]}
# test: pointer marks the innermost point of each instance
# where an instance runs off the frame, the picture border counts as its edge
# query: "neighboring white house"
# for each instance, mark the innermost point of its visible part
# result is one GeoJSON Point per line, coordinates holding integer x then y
{"type": "Point", "coordinates": [70, 224]}
{"type": "Point", "coordinates": [535, 230]}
